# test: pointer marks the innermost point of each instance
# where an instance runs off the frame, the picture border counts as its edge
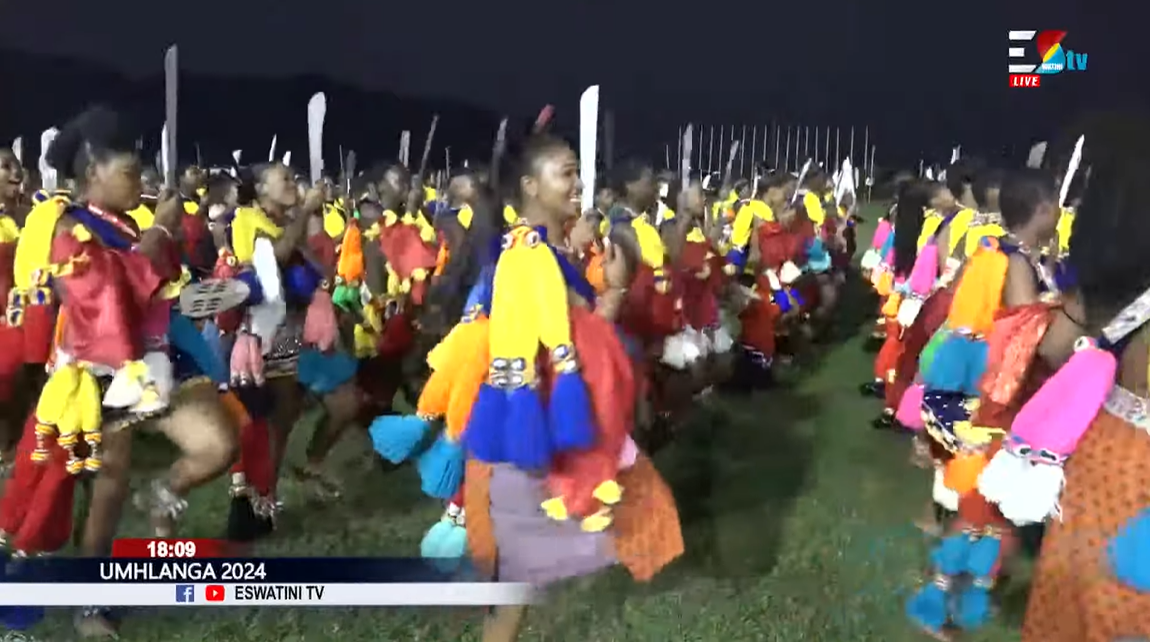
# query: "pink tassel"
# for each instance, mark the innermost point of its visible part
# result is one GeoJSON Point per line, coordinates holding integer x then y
{"type": "Point", "coordinates": [909, 411]}
{"type": "Point", "coordinates": [889, 258]}
{"type": "Point", "coordinates": [241, 370]}
{"type": "Point", "coordinates": [1057, 415]}
{"type": "Point", "coordinates": [925, 271]}
{"type": "Point", "coordinates": [319, 326]}
{"type": "Point", "coordinates": [880, 234]}
{"type": "Point", "coordinates": [256, 360]}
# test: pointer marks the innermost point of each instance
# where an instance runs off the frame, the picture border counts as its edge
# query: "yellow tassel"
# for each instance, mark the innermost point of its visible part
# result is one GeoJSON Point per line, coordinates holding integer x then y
{"type": "Point", "coordinates": [34, 249]}
{"type": "Point", "coordinates": [365, 342]}
{"type": "Point", "coordinates": [172, 289]}
{"type": "Point", "coordinates": [372, 233]}
{"type": "Point", "coordinates": [981, 231]}
{"type": "Point", "coordinates": [57, 394]}
{"type": "Point", "coordinates": [248, 223]}
{"type": "Point", "coordinates": [555, 509]}
{"type": "Point", "coordinates": [373, 317]}
{"type": "Point", "coordinates": [464, 216]}
{"type": "Point", "coordinates": [551, 304]}
{"type": "Point", "coordinates": [979, 293]}
{"type": "Point", "coordinates": [598, 522]}
{"type": "Point", "coordinates": [81, 233]}
{"type": "Point", "coordinates": [514, 322]}
{"type": "Point", "coordinates": [650, 243]}
{"type": "Point", "coordinates": [890, 308]}
{"type": "Point", "coordinates": [87, 399]}
{"type": "Point", "coordinates": [394, 283]}
{"type": "Point", "coordinates": [608, 492]}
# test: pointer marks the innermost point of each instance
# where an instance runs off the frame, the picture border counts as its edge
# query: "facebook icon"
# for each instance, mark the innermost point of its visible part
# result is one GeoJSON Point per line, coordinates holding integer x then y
{"type": "Point", "coordinates": [185, 593]}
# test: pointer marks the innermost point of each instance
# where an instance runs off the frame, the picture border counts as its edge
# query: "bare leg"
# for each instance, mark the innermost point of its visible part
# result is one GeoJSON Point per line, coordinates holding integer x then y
{"type": "Point", "coordinates": [289, 405]}
{"type": "Point", "coordinates": [341, 408]}
{"type": "Point", "coordinates": [503, 624]}
{"type": "Point", "coordinates": [206, 434]}
{"type": "Point", "coordinates": [108, 491]}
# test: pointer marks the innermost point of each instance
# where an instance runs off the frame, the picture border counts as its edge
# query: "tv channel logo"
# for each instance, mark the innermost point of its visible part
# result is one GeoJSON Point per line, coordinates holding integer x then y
{"type": "Point", "coordinates": [1053, 57]}
{"type": "Point", "coordinates": [214, 593]}
{"type": "Point", "coordinates": [185, 593]}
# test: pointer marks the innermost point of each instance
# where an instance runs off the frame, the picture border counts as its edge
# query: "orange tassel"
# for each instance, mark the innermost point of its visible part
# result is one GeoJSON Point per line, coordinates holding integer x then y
{"type": "Point", "coordinates": [472, 372]}
{"type": "Point", "coordinates": [979, 293]}
{"type": "Point", "coordinates": [885, 284]}
{"type": "Point", "coordinates": [235, 408]}
{"type": "Point", "coordinates": [465, 342]}
{"type": "Point", "coordinates": [441, 259]}
{"type": "Point", "coordinates": [350, 265]}
{"type": "Point", "coordinates": [890, 308]}
{"type": "Point", "coordinates": [962, 471]}
{"type": "Point", "coordinates": [595, 272]}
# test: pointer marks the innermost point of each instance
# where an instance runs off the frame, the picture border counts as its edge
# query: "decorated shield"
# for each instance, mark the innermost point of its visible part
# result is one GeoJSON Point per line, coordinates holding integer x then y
{"type": "Point", "coordinates": [212, 296]}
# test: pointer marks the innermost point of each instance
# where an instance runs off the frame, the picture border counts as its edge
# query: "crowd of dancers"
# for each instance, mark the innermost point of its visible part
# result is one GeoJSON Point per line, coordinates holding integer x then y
{"type": "Point", "coordinates": [1013, 347]}
{"type": "Point", "coordinates": [551, 334]}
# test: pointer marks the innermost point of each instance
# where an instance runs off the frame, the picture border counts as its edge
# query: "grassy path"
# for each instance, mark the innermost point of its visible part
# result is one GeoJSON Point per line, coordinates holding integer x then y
{"type": "Point", "coordinates": [796, 515]}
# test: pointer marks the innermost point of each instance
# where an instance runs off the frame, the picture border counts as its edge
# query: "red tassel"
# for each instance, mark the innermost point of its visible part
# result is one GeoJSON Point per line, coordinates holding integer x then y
{"type": "Point", "coordinates": [36, 510]}
{"type": "Point", "coordinates": [39, 329]}
{"type": "Point", "coordinates": [255, 460]}
{"type": "Point", "coordinates": [611, 386]}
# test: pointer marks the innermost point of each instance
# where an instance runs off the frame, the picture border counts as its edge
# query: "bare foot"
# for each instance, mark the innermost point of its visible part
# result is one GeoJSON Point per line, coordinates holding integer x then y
{"type": "Point", "coordinates": [318, 484]}
{"type": "Point", "coordinates": [95, 623]}
{"type": "Point", "coordinates": [940, 635]}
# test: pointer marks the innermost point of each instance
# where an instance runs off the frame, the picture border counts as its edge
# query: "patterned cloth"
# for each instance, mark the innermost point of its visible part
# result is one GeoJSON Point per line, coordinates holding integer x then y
{"type": "Point", "coordinates": [941, 411]}
{"type": "Point", "coordinates": [1074, 596]}
{"type": "Point", "coordinates": [284, 355]}
{"type": "Point", "coordinates": [644, 537]}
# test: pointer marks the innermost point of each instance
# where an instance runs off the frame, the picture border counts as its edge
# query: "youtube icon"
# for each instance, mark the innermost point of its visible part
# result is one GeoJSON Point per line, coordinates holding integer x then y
{"type": "Point", "coordinates": [214, 593]}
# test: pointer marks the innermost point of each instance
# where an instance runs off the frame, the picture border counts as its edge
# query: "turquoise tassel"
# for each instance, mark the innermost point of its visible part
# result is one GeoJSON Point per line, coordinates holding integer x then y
{"type": "Point", "coordinates": [453, 549]}
{"type": "Point", "coordinates": [211, 334]}
{"type": "Point", "coordinates": [818, 259]}
{"type": "Point", "coordinates": [957, 365]}
{"type": "Point", "coordinates": [983, 556]}
{"type": "Point", "coordinates": [395, 437]}
{"type": "Point", "coordinates": [1129, 552]}
{"type": "Point", "coordinates": [307, 367]}
{"type": "Point", "coordinates": [184, 336]}
{"type": "Point", "coordinates": [928, 607]}
{"type": "Point", "coordinates": [433, 541]}
{"type": "Point", "coordinates": [441, 468]}
{"type": "Point", "coordinates": [323, 373]}
{"type": "Point", "coordinates": [525, 434]}
{"type": "Point", "coordinates": [445, 545]}
{"type": "Point", "coordinates": [569, 411]}
{"type": "Point", "coordinates": [973, 605]}
{"type": "Point", "coordinates": [484, 433]}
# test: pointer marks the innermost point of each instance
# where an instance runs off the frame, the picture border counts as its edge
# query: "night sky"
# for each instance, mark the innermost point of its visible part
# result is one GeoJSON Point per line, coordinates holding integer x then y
{"type": "Point", "coordinates": [922, 75]}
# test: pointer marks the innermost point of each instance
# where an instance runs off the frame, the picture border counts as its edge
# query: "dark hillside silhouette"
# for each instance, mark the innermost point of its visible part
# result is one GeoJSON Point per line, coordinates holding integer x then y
{"type": "Point", "coordinates": [221, 114]}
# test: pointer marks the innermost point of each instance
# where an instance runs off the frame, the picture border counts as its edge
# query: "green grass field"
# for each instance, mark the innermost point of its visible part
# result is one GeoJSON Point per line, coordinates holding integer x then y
{"type": "Point", "coordinates": [796, 513]}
